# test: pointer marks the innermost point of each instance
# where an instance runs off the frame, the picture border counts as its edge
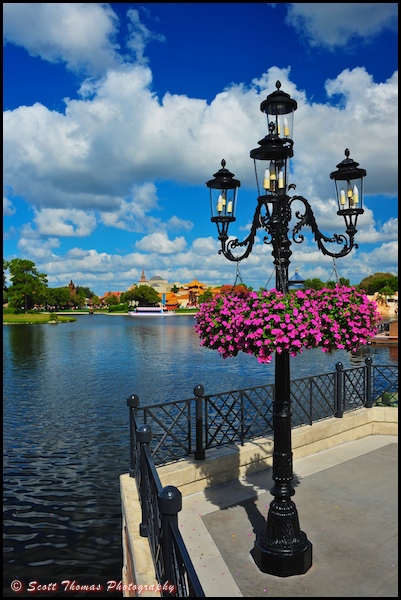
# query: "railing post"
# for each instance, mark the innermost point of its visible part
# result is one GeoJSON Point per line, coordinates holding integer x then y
{"type": "Point", "coordinates": [132, 403]}
{"type": "Point", "coordinates": [369, 400]}
{"type": "Point", "coordinates": [144, 436]}
{"type": "Point", "coordinates": [339, 390]}
{"type": "Point", "coordinates": [242, 418]}
{"type": "Point", "coordinates": [170, 503]}
{"type": "Point", "coordinates": [200, 451]}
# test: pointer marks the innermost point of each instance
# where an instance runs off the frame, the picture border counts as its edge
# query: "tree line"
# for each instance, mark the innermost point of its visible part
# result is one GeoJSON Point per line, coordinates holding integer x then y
{"type": "Point", "coordinates": [29, 289]}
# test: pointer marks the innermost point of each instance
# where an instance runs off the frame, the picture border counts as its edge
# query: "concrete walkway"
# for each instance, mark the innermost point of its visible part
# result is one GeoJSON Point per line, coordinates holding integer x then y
{"type": "Point", "coordinates": [347, 502]}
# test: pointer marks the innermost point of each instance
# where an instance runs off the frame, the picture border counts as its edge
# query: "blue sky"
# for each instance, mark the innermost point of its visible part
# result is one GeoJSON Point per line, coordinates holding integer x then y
{"type": "Point", "coordinates": [116, 115]}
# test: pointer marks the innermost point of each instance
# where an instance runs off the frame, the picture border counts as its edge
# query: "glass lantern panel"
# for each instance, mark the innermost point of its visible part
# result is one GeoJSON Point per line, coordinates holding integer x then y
{"type": "Point", "coordinates": [222, 202]}
{"type": "Point", "coordinates": [349, 193]}
{"type": "Point", "coordinates": [271, 176]}
{"type": "Point", "coordinates": [283, 124]}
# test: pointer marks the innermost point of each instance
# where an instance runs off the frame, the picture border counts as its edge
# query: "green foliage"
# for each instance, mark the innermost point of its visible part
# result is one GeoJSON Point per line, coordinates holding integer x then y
{"type": "Point", "coordinates": [128, 295]}
{"type": "Point", "coordinates": [145, 295]}
{"type": "Point", "coordinates": [95, 300]}
{"type": "Point", "coordinates": [314, 284]}
{"type": "Point", "coordinates": [121, 307]}
{"type": "Point", "coordinates": [378, 281]}
{"type": "Point", "coordinates": [205, 297]}
{"type": "Point", "coordinates": [387, 399]}
{"type": "Point", "coordinates": [28, 285]}
{"type": "Point", "coordinates": [111, 300]}
{"type": "Point", "coordinates": [58, 297]}
{"type": "Point", "coordinates": [386, 291]}
{"type": "Point", "coordinates": [6, 265]}
{"type": "Point", "coordinates": [84, 292]}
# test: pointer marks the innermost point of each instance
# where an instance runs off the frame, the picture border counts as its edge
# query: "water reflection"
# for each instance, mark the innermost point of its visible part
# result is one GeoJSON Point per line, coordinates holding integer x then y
{"type": "Point", "coordinates": [26, 345]}
{"type": "Point", "coordinates": [393, 354]}
{"type": "Point", "coordinates": [380, 355]}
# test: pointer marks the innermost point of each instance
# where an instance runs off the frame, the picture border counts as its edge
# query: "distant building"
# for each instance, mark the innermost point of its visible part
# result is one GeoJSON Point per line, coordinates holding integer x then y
{"type": "Point", "coordinates": [108, 294]}
{"type": "Point", "coordinates": [157, 283]}
{"type": "Point", "coordinates": [296, 282]}
{"type": "Point", "coordinates": [186, 295]}
{"type": "Point", "coordinates": [195, 289]}
{"type": "Point", "coordinates": [160, 285]}
{"type": "Point", "coordinates": [72, 288]}
{"type": "Point", "coordinates": [143, 280]}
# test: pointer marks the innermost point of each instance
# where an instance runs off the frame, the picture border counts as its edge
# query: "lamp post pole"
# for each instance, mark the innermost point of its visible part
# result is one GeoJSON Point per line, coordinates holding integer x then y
{"type": "Point", "coordinates": [282, 549]}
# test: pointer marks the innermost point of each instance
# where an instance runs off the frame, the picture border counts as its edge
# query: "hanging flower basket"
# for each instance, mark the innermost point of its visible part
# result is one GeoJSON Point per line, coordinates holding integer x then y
{"type": "Point", "coordinates": [262, 323]}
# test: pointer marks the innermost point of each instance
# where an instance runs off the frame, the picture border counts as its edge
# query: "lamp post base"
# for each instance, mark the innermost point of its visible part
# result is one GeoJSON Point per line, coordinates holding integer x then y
{"type": "Point", "coordinates": [283, 563]}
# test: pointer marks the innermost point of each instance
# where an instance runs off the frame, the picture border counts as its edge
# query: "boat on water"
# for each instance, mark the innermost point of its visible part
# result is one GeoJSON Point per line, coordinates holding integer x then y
{"type": "Point", "coordinates": [387, 334]}
{"type": "Point", "coordinates": [150, 311]}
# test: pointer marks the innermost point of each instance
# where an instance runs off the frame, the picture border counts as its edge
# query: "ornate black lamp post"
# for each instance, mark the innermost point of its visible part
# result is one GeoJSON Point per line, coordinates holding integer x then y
{"type": "Point", "coordinates": [282, 549]}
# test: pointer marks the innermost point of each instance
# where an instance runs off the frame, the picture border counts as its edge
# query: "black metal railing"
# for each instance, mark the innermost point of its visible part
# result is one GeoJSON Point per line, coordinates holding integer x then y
{"type": "Point", "coordinates": [185, 427]}
{"type": "Point", "coordinates": [159, 521]}
{"type": "Point", "coordinates": [164, 432]}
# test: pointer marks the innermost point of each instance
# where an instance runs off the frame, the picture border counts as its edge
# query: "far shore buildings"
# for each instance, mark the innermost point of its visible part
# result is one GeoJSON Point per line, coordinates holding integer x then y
{"type": "Point", "coordinates": [186, 295]}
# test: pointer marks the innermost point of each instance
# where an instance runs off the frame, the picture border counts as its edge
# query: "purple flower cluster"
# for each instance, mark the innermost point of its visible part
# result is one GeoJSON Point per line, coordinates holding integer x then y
{"type": "Point", "coordinates": [261, 323]}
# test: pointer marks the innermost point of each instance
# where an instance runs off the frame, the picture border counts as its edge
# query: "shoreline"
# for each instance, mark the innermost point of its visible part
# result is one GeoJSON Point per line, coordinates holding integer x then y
{"type": "Point", "coordinates": [70, 317]}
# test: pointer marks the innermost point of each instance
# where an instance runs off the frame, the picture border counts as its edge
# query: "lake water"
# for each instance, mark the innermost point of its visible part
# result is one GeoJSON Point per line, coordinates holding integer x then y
{"type": "Point", "coordinates": [66, 433]}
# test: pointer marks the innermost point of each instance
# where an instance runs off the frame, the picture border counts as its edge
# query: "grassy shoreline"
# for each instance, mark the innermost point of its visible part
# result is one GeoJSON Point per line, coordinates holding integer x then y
{"type": "Point", "coordinates": [41, 318]}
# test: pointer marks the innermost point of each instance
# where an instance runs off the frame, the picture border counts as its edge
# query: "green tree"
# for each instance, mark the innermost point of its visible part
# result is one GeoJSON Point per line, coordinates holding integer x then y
{"type": "Point", "coordinates": [386, 291]}
{"type": "Point", "coordinates": [27, 284]}
{"type": "Point", "coordinates": [84, 292]}
{"type": "Point", "coordinates": [377, 281]}
{"type": "Point", "coordinates": [58, 297]}
{"type": "Point", "coordinates": [314, 284]}
{"type": "Point", "coordinates": [342, 281]}
{"type": "Point", "coordinates": [111, 300]}
{"type": "Point", "coordinates": [128, 295]}
{"type": "Point", "coordinates": [145, 295]}
{"type": "Point", "coordinates": [6, 265]}
{"type": "Point", "coordinates": [95, 300]}
{"type": "Point", "coordinates": [205, 297]}
{"type": "Point", "coordinates": [5, 287]}
{"type": "Point", "coordinates": [79, 298]}
{"type": "Point", "coordinates": [175, 289]}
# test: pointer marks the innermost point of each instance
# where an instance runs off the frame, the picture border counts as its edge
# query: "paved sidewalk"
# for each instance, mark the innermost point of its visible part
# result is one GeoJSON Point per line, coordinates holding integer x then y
{"type": "Point", "coordinates": [347, 502]}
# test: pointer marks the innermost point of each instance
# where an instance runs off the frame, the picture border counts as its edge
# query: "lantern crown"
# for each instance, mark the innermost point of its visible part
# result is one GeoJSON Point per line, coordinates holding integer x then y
{"type": "Point", "coordinates": [223, 179]}
{"type": "Point", "coordinates": [278, 102]}
{"type": "Point", "coordinates": [347, 169]}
